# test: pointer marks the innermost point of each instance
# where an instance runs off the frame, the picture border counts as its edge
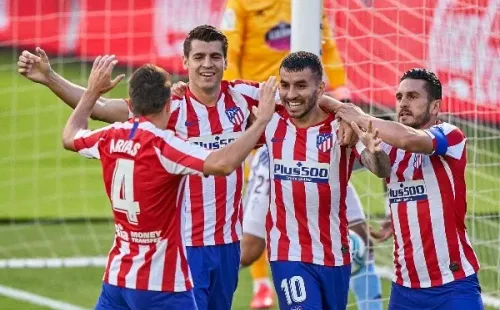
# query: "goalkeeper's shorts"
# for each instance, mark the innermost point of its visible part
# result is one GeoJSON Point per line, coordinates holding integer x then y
{"type": "Point", "coordinates": [120, 298]}
{"type": "Point", "coordinates": [463, 294]}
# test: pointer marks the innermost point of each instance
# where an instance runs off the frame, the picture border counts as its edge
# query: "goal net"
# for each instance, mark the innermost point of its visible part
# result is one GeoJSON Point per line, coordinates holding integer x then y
{"type": "Point", "coordinates": [54, 215]}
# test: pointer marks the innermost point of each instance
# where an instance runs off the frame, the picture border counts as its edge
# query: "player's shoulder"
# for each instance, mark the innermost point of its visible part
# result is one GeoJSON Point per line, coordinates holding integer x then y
{"type": "Point", "coordinates": [448, 128]}
{"type": "Point", "coordinates": [176, 102]}
{"type": "Point", "coordinates": [240, 84]}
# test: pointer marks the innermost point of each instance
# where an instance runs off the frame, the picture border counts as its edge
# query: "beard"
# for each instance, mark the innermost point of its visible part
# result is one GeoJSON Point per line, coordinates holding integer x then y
{"type": "Point", "coordinates": [421, 120]}
{"type": "Point", "coordinates": [309, 105]}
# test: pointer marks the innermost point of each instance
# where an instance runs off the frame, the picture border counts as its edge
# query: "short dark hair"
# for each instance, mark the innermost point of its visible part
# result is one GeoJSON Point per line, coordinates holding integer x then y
{"type": "Point", "coordinates": [206, 33]}
{"type": "Point", "coordinates": [432, 85]}
{"type": "Point", "coordinates": [298, 61]}
{"type": "Point", "coordinates": [149, 90]}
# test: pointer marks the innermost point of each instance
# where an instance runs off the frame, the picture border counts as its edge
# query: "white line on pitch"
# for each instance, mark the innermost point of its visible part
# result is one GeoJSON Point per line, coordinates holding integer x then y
{"type": "Point", "coordinates": [38, 300]}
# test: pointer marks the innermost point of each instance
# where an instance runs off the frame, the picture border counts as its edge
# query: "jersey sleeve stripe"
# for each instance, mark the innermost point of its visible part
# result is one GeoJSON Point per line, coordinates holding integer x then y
{"type": "Point", "coordinates": [189, 166]}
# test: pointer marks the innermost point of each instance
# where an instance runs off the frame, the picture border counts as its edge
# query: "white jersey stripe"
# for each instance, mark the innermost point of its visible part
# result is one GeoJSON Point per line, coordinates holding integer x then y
{"type": "Point", "coordinates": [114, 268]}
{"type": "Point", "coordinates": [137, 262]}
{"type": "Point", "coordinates": [157, 266]}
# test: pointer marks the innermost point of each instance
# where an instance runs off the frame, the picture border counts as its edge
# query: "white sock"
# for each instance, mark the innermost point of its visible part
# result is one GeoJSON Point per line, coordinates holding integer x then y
{"type": "Point", "coordinates": [258, 282]}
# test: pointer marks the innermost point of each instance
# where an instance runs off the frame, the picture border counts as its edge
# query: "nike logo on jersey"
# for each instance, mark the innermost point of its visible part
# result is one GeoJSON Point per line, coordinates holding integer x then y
{"type": "Point", "coordinates": [277, 139]}
{"type": "Point", "coordinates": [190, 123]}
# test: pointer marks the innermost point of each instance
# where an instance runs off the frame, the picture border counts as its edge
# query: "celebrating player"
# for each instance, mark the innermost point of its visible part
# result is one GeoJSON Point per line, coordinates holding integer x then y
{"type": "Point", "coordinates": [259, 36]}
{"type": "Point", "coordinates": [212, 114]}
{"type": "Point", "coordinates": [143, 168]}
{"type": "Point", "coordinates": [435, 265]}
{"type": "Point", "coordinates": [365, 283]}
{"type": "Point", "coordinates": [307, 229]}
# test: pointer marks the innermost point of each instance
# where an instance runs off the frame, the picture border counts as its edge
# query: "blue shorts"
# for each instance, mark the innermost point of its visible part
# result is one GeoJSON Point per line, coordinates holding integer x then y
{"type": "Point", "coordinates": [463, 294]}
{"type": "Point", "coordinates": [301, 286]}
{"type": "Point", "coordinates": [215, 274]}
{"type": "Point", "coordinates": [121, 298]}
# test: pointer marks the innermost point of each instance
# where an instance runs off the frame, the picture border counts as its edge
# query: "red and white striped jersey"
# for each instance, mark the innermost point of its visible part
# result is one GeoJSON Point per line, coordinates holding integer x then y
{"type": "Point", "coordinates": [427, 198]}
{"type": "Point", "coordinates": [144, 172]}
{"type": "Point", "coordinates": [213, 204]}
{"type": "Point", "coordinates": [309, 173]}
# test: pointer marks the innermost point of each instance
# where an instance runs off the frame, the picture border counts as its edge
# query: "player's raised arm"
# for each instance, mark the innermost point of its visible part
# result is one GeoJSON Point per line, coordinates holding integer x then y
{"type": "Point", "coordinates": [99, 83]}
{"type": "Point", "coordinates": [372, 155]}
{"type": "Point", "coordinates": [36, 67]}
{"type": "Point", "coordinates": [394, 133]}
{"type": "Point", "coordinates": [227, 159]}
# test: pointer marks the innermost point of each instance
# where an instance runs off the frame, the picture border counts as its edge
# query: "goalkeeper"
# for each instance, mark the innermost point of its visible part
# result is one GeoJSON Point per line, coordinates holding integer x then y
{"type": "Point", "coordinates": [258, 34]}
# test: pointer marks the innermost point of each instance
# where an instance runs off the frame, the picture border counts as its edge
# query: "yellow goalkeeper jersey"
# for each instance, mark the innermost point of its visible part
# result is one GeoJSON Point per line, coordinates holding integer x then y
{"type": "Point", "coordinates": [259, 39]}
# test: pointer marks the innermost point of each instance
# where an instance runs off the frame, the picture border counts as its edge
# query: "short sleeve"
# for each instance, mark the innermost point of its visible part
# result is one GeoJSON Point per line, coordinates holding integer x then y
{"type": "Point", "coordinates": [178, 156]}
{"type": "Point", "coordinates": [86, 142]}
{"type": "Point", "coordinates": [447, 140]}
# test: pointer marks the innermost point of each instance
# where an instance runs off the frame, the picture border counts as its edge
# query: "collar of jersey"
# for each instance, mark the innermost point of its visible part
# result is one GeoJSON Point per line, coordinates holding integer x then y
{"type": "Point", "coordinates": [189, 94]}
{"type": "Point", "coordinates": [281, 110]}
{"type": "Point", "coordinates": [138, 119]}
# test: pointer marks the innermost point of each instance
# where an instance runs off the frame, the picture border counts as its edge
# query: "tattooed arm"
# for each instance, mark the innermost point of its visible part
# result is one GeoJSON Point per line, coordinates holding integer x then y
{"type": "Point", "coordinates": [377, 162]}
{"type": "Point", "coordinates": [372, 155]}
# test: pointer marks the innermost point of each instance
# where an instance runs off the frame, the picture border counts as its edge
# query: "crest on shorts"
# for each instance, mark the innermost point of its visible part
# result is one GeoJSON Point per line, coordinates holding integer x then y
{"type": "Point", "coordinates": [324, 142]}
{"type": "Point", "coordinates": [235, 116]}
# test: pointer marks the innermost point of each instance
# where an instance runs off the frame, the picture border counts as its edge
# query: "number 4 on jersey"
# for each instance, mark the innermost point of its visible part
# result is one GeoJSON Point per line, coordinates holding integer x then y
{"type": "Point", "coordinates": [122, 190]}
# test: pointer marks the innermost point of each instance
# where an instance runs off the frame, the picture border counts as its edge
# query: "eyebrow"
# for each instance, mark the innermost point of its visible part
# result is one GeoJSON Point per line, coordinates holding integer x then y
{"type": "Point", "coordinates": [408, 92]}
{"type": "Point", "coordinates": [211, 54]}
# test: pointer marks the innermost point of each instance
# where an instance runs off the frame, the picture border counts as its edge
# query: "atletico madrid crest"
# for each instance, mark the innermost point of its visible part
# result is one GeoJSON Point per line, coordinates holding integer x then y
{"type": "Point", "coordinates": [235, 116]}
{"type": "Point", "coordinates": [324, 142]}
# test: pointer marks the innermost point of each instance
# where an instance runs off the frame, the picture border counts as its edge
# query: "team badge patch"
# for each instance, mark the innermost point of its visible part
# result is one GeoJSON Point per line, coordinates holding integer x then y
{"type": "Point", "coordinates": [235, 116]}
{"type": "Point", "coordinates": [324, 142]}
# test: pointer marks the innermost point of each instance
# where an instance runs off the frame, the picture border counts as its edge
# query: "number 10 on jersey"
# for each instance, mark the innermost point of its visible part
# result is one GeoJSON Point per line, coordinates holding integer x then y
{"type": "Point", "coordinates": [122, 190]}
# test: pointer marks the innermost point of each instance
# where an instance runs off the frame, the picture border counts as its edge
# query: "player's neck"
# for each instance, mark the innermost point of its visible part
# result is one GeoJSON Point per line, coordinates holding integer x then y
{"type": "Point", "coordinates": [314, 117]}
{"type": "Point", "coordinates": [204, 96]}
{"type": "Point", "coordinates": [160, 120]}
{"type": "Point", "coordinates": [432, 121]}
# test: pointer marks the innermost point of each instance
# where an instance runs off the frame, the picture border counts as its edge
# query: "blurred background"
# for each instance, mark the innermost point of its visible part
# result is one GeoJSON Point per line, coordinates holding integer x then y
{"type": "Point", "coordinates": [55, 220]}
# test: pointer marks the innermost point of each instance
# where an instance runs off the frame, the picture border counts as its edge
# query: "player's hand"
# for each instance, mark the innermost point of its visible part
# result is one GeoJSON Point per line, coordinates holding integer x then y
{"type": "Point", "coordinates": [349, 112]}
{"type": "Point", "coordinates": [100, 77]}
{"type": "Point", "coordinates": [346, 134]}
{"type": "Point", "coordinates": [35, 67]}
{"type": "Point", "coordinates": [369, 137]}
{"type": "Point", "coordinates": [267, 104]}
{"type": "Point", "coordinates": [384, 232]}
{"type": "Point", "coordinates": [179, 89]}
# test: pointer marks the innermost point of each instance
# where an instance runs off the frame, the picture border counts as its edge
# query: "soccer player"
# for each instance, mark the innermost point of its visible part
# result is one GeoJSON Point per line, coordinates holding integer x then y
{"type": "Point", "coordinates": [307, 229]}
{"type": "Point", "coordinates": [259, 35]}
{"type": "Point", "coordinates": [143, 168]}
{"type": "Point", "coordinates": [212, 114]}
{"type": "Point", "coordinates": [435, 265]}
{"type": "Point", "coordinates": [365, 283]}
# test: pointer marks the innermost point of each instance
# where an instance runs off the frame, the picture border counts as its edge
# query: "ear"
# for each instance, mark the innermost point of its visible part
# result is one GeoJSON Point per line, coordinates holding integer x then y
{"type": "Point", "coordinates": [167, 106]}
{"type": "Point", "coordinates": [225, 63]}
{"type": "Point", "coordinates": [436, 106]}
{"type": "Point", "coordinates": [184, 62]}
{"type": "Point", "coordinates": [321, 89]}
